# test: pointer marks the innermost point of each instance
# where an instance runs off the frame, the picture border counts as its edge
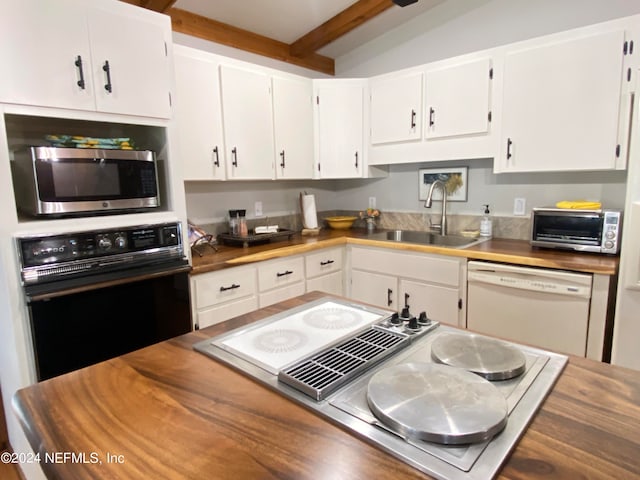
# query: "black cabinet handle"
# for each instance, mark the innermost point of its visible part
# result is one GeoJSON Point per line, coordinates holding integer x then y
{"type": "Point", "coordinates": [413, 119]}
{"type": "Point", "coordinates": [78, 63]}
{"type": "Point", "coordinates": [282, 274]}
{"type": "Point", "coordinates": [234, 156]}
{"type": "Point", "coordinates": [233, 286]}
{"type": "Point", "coordinates": [328, 262]}
{"type": "Point", "coordinates": [389, 292]}
{"type": "Point", "coordinates": [107, 70]}
{"type": "Point", "coordinates": [282, 156]}
{"type": "Point", "coordinates": [356, 159]}
{"type": "Point", "coordinates": [406, 300]}
{"type": "Point", "coordinates": [509, 142]}
{"type": "Point", "coordinates": [216, 162]}
{"type": "Point", "coordinates": [432, 114]}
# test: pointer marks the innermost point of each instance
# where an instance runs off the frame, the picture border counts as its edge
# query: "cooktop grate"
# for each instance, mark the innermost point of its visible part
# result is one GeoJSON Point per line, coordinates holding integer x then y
{"type": "Point", "coordinates": [323, 373]}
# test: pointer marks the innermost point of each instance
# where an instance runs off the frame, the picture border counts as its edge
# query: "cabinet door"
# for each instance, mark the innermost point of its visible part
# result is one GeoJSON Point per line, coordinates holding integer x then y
{"type": "Point", "coordinates": [440, 303]}
{"type": "Point", "coordinates": [396, 108]}
{"type": "Point", "coordinates": [373, 288]}
{"type": "Point", "coordinates": [458, 99]}
{"type": "Point", "coordinates": [42, 42]}
{"type": "Point", "coordinates": [130, 62]}
{"type": "Point", "coordinates": [198, 115]}
{"type": "Point", "coordinates": [293, 127]}
{"type": "Point", "coordinates": [339, 122]}
{"type": "Point", "coordinates": [248, 123]}
{"type": "Point", "coordinates": [561, 104]}
{"type": "Point", "coordinates": [330, 283]}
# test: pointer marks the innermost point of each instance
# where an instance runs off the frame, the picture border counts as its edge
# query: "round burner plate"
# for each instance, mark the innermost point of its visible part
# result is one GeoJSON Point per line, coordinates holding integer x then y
{"type": "Point", "coordinates": [437, 403]}
{"type": "Point", "coordinates": [489, 358]}
{"type": "Point", "coordinates": [332, 318]}
{"type": "Point", "coordinates": [280, 341]}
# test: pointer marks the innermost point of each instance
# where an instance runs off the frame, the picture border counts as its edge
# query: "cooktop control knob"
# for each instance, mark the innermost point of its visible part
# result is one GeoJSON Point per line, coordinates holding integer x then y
{"type": "Point", "coordinates": [405, 315]}
{"type": "Point", "coordinates": [413, 324]}
{"type": "Point", "coordinates": [121, 242]}
{"type": "Point", "coordinates": [395, 320]}
{"type": "Point", "coordinates": [423, 319]}
{"type": "Point", "coordinates": [104, 243]}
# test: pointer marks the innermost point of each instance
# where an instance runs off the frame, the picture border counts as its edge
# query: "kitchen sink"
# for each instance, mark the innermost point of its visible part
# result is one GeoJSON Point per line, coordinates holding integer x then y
{"type": "Point", "coordinates": [426, 238]}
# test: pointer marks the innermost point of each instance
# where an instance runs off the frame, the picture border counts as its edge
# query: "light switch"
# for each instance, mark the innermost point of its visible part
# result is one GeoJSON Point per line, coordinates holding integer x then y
{"type": "Point", "coordinates": [519, 206]}
{"type": "Point", "coordinates": [257, 209]}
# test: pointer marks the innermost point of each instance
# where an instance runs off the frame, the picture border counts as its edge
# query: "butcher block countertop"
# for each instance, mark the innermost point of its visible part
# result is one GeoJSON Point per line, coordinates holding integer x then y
{"type": "Point", "coordinates": [169, 412]}
{"type": "Point", "coordinates": [517, 252]}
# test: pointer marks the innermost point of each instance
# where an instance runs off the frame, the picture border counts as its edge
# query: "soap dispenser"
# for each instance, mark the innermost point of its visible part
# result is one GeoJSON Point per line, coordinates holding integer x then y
{"type": "Point", "coordinates": [486, 226]}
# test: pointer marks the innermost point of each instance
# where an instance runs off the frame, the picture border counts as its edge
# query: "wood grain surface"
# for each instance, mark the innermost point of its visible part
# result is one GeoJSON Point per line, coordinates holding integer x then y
{"type": "Point", "coordinates": [518, 252]}
{"type": "Point", "coordinates": [169, 412]}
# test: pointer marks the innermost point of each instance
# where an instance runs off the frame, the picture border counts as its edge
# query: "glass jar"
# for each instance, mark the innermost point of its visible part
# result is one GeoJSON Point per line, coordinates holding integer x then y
{"type": "Point", "coordinates": [243, 231]}
{"type": "Point", "coordinates": [233, 222]}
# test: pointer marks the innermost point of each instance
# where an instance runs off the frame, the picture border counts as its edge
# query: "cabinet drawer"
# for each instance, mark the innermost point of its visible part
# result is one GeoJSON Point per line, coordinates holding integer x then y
{"type": "Point", "coordinates": [223, 286]}
{"type": "Point", "coordinates": [323, 262]}
{"type": "Point", "coordinates": [330, 283]}
{"type": "Point", "coordinates": [280, 294]}
{"type": "Point", "coordinates": [432, 268]}
{"type": "Point", "coordinates": [280, 272]}
{"type": "Point", "coordinates": [217, 314]}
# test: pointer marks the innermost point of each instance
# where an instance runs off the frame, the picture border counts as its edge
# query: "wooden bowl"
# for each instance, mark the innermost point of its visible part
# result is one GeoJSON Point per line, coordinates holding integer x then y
{"type": "Point", "coordinates": [340, 222]}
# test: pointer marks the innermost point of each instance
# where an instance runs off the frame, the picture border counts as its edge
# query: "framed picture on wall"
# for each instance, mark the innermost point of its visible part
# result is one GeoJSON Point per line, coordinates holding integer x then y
{"type": "Point", "coordinates": [454, 178]}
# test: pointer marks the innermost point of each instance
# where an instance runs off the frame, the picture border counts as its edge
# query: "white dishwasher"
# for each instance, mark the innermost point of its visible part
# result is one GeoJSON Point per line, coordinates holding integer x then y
{"type": "Point", "coordinates": [538, 306]}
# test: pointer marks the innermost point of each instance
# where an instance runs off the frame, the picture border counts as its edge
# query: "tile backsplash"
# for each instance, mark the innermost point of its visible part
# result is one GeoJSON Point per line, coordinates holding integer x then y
{"type": "Point", "coordinates": [503, 227]}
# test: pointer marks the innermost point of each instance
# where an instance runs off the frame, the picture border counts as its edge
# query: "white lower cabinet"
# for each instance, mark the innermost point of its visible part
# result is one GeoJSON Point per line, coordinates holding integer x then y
{"type": "Point", "coordinates": [369, 287]}
{"type": "Point", "coordinates": [324, 271]}
{"type": "Point", "coordinates": [224, 294]}
{"type": "Point", "coordinates": [435, 284]}
{"type": "Point", "coordinates": [280, 279]}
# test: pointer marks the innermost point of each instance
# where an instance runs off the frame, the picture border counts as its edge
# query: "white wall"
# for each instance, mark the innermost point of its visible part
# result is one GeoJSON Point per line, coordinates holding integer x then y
{"type": "Point", "coordinates": [207, 46]}
{"type": "Point", "coordinates": [209, 202]}
{"type": "Point", "coordinates": [456, 27]}
{"type": "Point", "coordinates": [399, 191]}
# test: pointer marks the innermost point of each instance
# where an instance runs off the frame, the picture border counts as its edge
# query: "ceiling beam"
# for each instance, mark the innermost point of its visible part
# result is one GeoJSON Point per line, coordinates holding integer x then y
{"type": "Point", "coordinates": [345, 21]}
{"type": "Point", "coordinates": [155, 5]}
{"type": "Point", "coordinates": [218, 32]}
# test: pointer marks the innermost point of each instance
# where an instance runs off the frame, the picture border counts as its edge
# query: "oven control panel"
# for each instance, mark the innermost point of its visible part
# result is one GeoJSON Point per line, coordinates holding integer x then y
{"type": "Point", "coordinates": [53, 255]}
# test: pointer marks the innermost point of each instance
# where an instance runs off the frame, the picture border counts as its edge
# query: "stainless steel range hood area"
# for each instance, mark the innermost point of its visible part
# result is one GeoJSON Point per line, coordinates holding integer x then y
{"type": "Point", "coordinates": [348, 404]}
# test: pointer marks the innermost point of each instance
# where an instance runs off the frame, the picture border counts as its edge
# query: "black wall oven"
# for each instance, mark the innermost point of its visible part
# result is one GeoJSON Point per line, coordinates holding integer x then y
{"type": "Point", "coordinates": [95, 295]}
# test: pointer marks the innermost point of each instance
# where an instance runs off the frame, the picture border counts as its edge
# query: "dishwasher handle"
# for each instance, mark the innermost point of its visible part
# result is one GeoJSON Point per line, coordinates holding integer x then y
{"type": "Point", "coordinates": [529, 283]}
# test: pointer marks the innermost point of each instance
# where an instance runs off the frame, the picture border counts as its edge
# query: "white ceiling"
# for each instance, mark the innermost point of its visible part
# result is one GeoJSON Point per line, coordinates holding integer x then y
{"type": "Point", "coordinates": [288, 20]}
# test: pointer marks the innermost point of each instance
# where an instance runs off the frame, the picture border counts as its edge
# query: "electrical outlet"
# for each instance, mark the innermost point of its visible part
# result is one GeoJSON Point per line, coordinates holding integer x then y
{"type": "Point", "coordinates": [519, 206]}
{"type": "Point", "coordinates": [257, 209]}
{"type": "Point", "coordinates": [372, 202]}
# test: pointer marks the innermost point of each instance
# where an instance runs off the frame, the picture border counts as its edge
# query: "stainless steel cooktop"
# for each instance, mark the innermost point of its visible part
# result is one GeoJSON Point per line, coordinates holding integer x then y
{"type": "Point", "coordinates": [363, 363]}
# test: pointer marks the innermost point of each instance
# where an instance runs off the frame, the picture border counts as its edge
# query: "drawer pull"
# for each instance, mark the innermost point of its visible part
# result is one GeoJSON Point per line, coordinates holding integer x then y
{"type": "Point", "coordinates": [328, 262]}
{"type": "Point", "coordinates": [389, 293]}
{"type": "Point", "coordinates": [282, 274]}
{"type": "Point", "coordinates": [233, 285]}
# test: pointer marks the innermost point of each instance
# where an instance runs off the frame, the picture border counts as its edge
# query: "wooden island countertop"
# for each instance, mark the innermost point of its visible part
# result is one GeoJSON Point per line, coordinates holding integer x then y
{"type": "Point", "coordinates": [517, 252]}
{"type": "Point", "coordinates": [167, 411]}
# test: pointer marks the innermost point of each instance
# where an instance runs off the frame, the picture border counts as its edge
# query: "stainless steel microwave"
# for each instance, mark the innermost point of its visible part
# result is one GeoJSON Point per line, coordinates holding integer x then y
{"type": "Point", "coordinates": [54, 181]}
{"type": "Point", "coordinates": [596, 231]}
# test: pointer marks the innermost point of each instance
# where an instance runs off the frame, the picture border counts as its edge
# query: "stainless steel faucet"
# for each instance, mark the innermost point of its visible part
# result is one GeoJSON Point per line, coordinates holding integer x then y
{"type": "Point", "coordinates": [427, 204]}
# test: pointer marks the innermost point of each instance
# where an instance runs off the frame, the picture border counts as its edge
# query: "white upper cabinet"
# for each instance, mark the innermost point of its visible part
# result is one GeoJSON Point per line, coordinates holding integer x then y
{"type": "Point", "coordinates": [458, 99]}
{"type": "Point", "coordinates": [248, 123]}
{"type": "Point", "coordinates": [131, 72]}
{"type": "Point", "coordinates": [339, 128]}
{"type": "Point", "coordinates": [293, 126]}
{"type": "Point", "coordinates": [47, 60]}
{"type": "Point", "coordinates": [396, 107]}
{"type": "Point", "coordinates": [59, 51]}
{"type": "Point", "coordinates": [561, 104]}
{"type": "Point", "coordinates": [198, 115]}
